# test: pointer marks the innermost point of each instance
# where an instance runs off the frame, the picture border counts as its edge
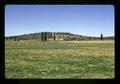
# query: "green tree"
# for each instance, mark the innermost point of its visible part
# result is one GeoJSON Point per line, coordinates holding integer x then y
{"type": "Point", "coordinates": [44, 36]}
{"type": "Point", "coordinates": [54, 36]}
{"type": "Point", "coordinates": [101, 37]}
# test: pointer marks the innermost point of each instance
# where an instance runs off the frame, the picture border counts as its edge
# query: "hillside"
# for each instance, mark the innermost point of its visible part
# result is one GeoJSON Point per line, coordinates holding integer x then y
{"type": "Point", "coordinates": [58, 36]}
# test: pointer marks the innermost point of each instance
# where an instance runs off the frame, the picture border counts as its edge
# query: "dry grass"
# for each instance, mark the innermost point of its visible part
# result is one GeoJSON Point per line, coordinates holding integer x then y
{"type": "Point", "coordinates": [53, 59]}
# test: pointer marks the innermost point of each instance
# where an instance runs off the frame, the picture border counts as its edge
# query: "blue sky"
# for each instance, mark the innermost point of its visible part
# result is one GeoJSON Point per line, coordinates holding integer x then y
{"type": "Point", "coordinates": [89, 20]}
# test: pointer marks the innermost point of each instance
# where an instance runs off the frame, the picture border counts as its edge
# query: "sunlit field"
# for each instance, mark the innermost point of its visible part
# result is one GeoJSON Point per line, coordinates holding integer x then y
{"type": "Point", "coordinates": [34, 59]}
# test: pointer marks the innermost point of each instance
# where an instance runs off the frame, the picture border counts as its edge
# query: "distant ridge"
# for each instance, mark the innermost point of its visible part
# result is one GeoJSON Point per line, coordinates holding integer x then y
{"type": "Point", "coordinates": [58, 35]}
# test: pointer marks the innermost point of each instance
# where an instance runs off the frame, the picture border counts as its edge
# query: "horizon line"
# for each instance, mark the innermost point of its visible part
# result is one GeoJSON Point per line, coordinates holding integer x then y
{"type": "Point", "coordinates": [58, 32]}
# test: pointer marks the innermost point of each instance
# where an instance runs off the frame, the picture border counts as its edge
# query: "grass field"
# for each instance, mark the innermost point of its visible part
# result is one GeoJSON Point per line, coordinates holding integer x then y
{"type": "Point", "coordinates": [59, 59]}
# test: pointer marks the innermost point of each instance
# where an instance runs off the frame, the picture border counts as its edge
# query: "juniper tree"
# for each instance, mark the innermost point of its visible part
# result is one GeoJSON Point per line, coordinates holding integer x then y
{"type": "Point", "coordinates": [54, 36]}
{"type": "Point", "coordinates": [45, 36]}
{"type": "Point", "coordinates": [101, 37]}
{"type": "Point", "coordinates": [42, 36]}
